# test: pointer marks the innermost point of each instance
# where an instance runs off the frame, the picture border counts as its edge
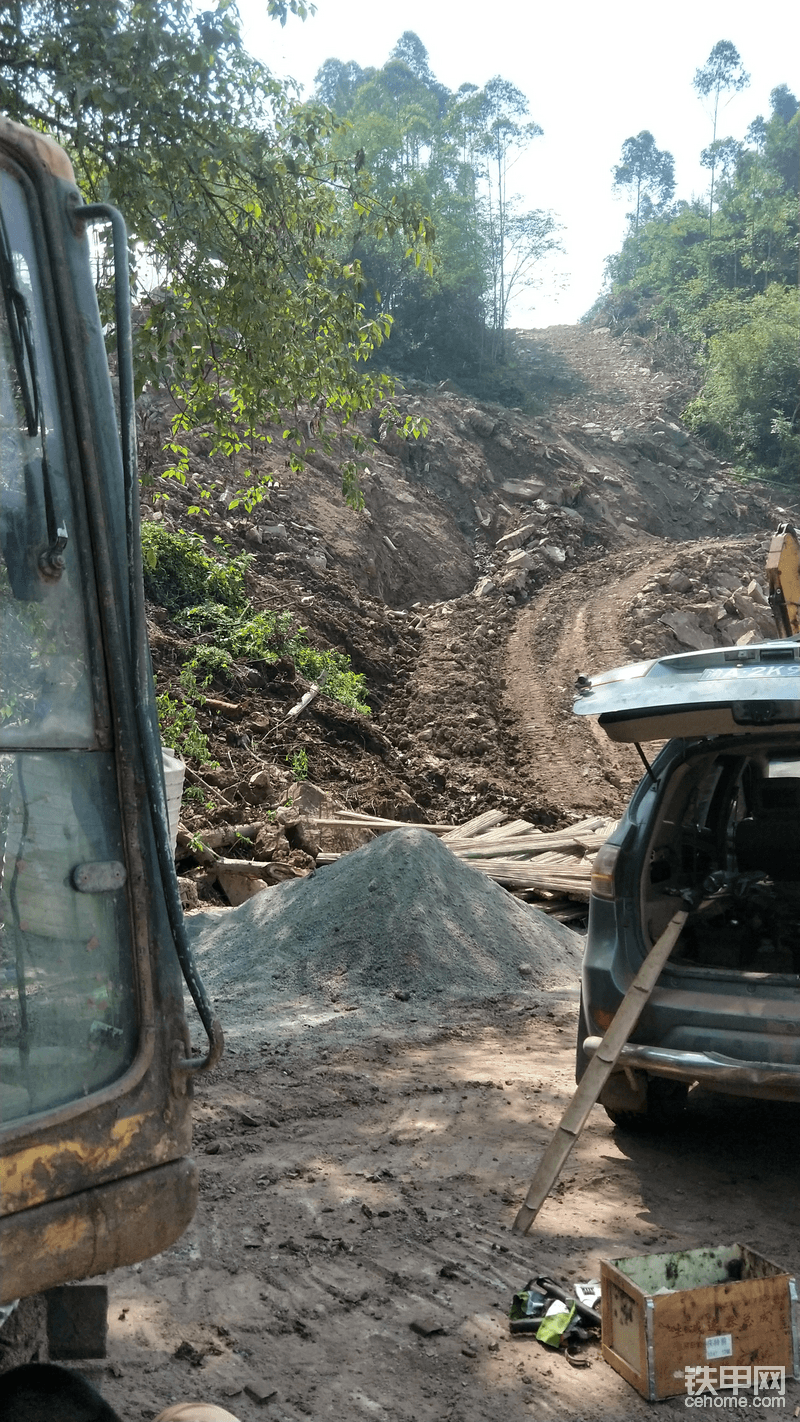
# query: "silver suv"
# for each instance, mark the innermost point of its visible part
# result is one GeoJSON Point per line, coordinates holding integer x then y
{"type": "Point", "coordinates": [718, 813]}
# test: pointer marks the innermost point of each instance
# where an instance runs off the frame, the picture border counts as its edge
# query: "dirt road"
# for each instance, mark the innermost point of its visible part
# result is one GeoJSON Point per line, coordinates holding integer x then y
{"type": "Point", "coordinates": [573, 628]}
{"type": "Point", "coordinates": [352, 1249]}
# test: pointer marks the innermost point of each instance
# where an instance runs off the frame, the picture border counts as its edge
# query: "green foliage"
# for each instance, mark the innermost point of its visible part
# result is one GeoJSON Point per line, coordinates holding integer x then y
{"type": "Point", "coordinates": [178, 571]}
{"type": "Point", "coordinates": [713, 284]}
{"type": "Point", "coordinates": [179, 728]}
{"type": "Point", "coordinates": [240, 633]}
{"type": "Point", "coordinates": [749, 402]}
{"type": "Point", "coordinates": [210, 663]}
{"type": "Point", "coordinates": [245, 635]}
{"type": "Point", "coordinates": [299, 764]}
{"type": "Point", "coordinates": [240, 213]}
{"type": "Point", "coordinates": [646, 173]}
{"type": "Point", "coordinates": [449, 153]}
{"type": "Point", "coordinates": [341, 682]}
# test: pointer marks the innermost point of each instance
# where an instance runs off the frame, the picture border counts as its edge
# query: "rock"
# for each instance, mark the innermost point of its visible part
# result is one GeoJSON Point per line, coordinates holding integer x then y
{"type": "Point", "coordinates": [480, 422]}
{"type": "Point", "coordinates": [754, 612]}
{"type": "Point", "coordinates": [427, 1324]}
{"type": "Point", "coordinates": [554, 553]}
{"type": "Point", "coordinates": [307, 798]}
{"type": "Point", "coordinates": [518, 536]}
{"type": "Point", "coordinates": [266, 786]}
{"type": "Point", "coordinates": [573, 516]}
{"type": "Point", "coordinates": [525, 490]}
{"type": "Point", "coordinates": [317, 561]}
{"type": "Point", "coordinates": [687, 629]}
{"type": "Point", "coordinates": [747, 639]}
{"type": "Point", "coordinates": [731, 628]}
{"type": "Point", "coordinates": [484, 587]}
{"type": "Point", "coordinates": [514, 581]}
{"type": "Point", "coordinates": [238, 888]}
{"type": "Point", "coordinates": [678, 582]}
{"type": "Point", "coordinates": [189, 895]}
{"type": "Point", "coordinates": [755, 592]}
{"type": "Point", "coordinates": [259, 1390]}
{"type": "Point", "coordinates": [288, 816]}
{"type": "Point", "coordinates": [504, 443]}
{"type": "Point", "coordinates": [519, 559]}
{"type": "Point", "coordinates": [304, 837]}
{"type": "Point", "coordinates": [266, 840]}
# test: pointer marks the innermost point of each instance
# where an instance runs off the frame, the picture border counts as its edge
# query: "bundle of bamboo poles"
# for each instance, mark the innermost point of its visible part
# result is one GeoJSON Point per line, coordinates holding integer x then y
{"type": "Point", "coordinates": [513, 853]}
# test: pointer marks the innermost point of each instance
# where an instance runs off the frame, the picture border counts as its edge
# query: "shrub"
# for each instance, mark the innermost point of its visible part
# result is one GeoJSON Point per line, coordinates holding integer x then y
{"type": "Point", "coordinates": [266, 636]}
{"type": "Point", "coordinates": [179, 729]}
{"type": "Point", "coordinates": [748, 405]}
{"type": "Point", "coordinates": [179, 572]}
{"type": "Point", "coordinates": [207, 596]}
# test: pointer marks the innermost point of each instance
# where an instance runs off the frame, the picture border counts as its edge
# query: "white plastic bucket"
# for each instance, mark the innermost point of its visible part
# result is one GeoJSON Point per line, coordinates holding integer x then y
{"type": "Point", "coordinates": [174, 772]}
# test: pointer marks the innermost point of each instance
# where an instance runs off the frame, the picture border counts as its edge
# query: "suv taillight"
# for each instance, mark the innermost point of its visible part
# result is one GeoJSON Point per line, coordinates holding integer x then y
{"type": "Point", "coordinates": [605, 861]}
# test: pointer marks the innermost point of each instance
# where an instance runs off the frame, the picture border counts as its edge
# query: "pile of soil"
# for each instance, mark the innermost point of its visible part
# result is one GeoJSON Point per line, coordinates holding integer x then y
{"type": "Point", "coordinates": [398, 927]}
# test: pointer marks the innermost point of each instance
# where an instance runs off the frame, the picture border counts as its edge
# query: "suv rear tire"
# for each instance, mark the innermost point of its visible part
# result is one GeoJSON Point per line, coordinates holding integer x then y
{"type": "Point", "coordinates": [666, 1107]}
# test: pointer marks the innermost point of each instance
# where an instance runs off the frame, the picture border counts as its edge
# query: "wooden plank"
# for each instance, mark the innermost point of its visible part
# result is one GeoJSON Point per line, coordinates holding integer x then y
{"type": "Point", "coordinates": [514, 827]}
{"type": "Point", "coordinates": [478, 825]}
{"type": "Point", "coordinates": [354, 820]}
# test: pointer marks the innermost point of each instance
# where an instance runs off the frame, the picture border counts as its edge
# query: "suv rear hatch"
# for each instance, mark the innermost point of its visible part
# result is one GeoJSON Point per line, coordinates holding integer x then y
{"type": "Point", "coordinates": [722, 692]}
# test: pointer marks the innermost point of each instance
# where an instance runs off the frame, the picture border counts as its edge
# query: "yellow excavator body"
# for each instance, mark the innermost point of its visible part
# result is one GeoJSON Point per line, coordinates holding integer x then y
{"type": "Point", "coordinates": [783, 576]}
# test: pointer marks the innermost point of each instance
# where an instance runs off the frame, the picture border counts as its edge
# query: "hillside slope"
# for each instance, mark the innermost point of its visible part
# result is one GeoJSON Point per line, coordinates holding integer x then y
{"type": "Point", "coordinates": [494, 559]}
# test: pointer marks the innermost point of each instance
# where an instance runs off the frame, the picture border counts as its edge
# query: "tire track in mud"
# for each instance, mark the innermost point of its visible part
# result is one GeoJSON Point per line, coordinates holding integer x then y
{"type": "Point", "coordinates": [574, 627]}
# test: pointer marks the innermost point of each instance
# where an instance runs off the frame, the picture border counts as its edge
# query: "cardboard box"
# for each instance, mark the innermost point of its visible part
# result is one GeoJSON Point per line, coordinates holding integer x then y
{"type": "Point", "coordinates": [712, 1307]}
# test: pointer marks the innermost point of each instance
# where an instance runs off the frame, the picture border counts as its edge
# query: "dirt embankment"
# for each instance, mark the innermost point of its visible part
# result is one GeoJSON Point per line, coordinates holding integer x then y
{"type": "Point", "coordinates": [494, 559]}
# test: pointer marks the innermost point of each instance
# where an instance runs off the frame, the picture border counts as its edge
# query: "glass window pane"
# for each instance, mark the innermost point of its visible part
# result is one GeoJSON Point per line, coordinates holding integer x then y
{"type": "Point", "coordinates": [45, 698]}
{"type": "Point", "coordinates": [67, 1012]}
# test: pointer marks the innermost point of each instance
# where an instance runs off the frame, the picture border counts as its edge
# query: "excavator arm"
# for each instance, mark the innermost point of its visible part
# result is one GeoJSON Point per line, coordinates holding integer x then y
{"type": "Point", "coordinates": [783, 575]}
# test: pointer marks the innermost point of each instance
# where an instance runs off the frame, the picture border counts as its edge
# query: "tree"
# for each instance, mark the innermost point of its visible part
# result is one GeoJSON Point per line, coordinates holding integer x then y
{"type": "Point", "coordinates": [722, 73]}
{"type": "Point", "coordinates": [530, 236]}
{"type": "Point", "coordinates": [502, 106]}
{"type": "Point", "coordinates": [232, 197]}
{"type": "Point", "coordinates": [336, 83]}
{"type": "Point", "coordinates": [645, 171]}
{"type": "Point", "coordinates": [749, 404]}
{"type": "Point", "coordinates": [452, 153]}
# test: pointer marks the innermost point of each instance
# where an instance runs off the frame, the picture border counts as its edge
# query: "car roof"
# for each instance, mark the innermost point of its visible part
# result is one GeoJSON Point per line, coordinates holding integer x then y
{"type": "Point", "coordinates": [721, 691]}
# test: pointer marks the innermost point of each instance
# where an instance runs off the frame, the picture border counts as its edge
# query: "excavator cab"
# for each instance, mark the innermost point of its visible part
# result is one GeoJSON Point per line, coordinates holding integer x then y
{"type": "Point", "coordinates": [96, 1066]}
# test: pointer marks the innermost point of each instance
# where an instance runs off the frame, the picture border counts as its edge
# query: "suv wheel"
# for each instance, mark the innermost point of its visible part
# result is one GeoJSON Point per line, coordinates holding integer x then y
{"type": "Point", "coordinates": [666, 1106]}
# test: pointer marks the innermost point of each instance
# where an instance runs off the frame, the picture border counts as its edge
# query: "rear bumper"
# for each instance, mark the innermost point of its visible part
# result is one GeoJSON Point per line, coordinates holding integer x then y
{"type": "Point", "coordinates": [770, 1081]}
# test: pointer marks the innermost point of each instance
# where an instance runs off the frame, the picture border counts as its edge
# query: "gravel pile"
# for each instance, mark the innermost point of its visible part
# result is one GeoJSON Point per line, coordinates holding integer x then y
{"type": "Point", "coordinates": [400, 925]}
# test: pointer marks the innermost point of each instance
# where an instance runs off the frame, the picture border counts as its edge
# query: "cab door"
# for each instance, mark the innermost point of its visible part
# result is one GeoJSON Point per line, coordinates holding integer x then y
{"type": "Point", "coordinates": [94, 1051]}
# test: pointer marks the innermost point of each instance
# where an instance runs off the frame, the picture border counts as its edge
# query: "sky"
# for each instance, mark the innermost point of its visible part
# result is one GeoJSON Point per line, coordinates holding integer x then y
{"type": "Point", "coordinates": [594, 74]}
